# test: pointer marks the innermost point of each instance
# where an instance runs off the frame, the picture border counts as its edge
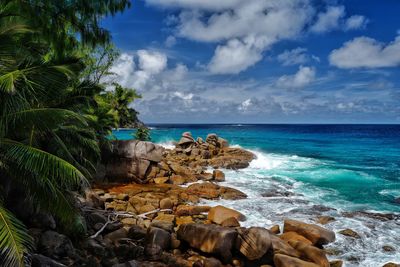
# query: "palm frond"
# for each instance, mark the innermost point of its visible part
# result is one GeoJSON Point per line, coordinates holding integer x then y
{"type": "Point", "coordinates": [14, 239]}
{"type": "Point", "coordinates": [43, 163]}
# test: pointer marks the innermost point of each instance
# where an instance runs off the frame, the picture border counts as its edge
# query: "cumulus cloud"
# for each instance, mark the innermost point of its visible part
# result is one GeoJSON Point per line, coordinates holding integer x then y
{"type": "Point", "coordinates": [334, 18]}
{"type": "Point", "coordinates": [295, 56]}
{"type": "Point", "coordinates": [234, 57]}
{"type": "Point", "coordinates": [244, 30]}
{"type": "Point", "coordinates": [152, 62]}
{"type": "Point", "coordinates": [303, 77]}
{"type": "Point", "coordinates": [365, 52]}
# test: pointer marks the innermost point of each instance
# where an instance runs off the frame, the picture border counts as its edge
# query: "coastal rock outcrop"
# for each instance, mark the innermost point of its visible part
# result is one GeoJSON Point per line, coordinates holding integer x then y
{"type": "Point", "coordinates": [316, 234]}
{"type": "Point", "coordinates": [209, 238]}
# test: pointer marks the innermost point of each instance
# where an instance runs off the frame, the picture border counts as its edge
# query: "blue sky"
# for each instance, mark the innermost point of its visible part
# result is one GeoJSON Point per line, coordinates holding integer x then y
{"type": "Point", "coordinates": [261, 61]}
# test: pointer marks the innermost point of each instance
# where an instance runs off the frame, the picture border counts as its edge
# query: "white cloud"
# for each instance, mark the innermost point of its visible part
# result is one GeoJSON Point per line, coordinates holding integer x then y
{"type": "Point", "coordinates": [234, 57]}
{"type": "Point", "coordinates": [152, 62]}
{"type": "Point", "coordinates": [334, 18]}
{"type": "Point", "coordinates": [329, 20]}
{"type": "Point", "coordinates": [123, 68]}
{"type": "Point", "coordinates": [170, 41]}
{"type": "Point", "coordinates": [249, 28]}
{"type": "Point", "coordinates": [303, 77]}
{"type": "Point", "coordinates": [364, 52]}
{"type": "Point", "coordinates": [355, 22]}
{"type": "Point", "coordinates": [295, 56]}
{"type": "Point", "coordinates": [245, 105]}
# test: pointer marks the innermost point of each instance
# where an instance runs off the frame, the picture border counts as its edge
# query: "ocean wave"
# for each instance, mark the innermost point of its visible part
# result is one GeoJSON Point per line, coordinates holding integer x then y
{"type": "Point", "coordinates": [169, 144]}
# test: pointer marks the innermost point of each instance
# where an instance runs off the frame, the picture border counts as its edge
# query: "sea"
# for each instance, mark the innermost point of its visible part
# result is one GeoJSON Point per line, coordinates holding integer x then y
{"type": "Point", "coordinates": [349, 172]}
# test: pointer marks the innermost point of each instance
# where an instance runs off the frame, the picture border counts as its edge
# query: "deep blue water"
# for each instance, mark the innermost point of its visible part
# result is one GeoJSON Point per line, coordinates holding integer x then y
{"type": "Point", "coordinates": [358, 164]}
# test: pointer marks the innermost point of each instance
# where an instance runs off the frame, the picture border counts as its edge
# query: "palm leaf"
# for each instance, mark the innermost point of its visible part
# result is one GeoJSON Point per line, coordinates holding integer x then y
{"type": "Point", "coordinates": [14, 239]}
{"type": "Point", "coordinates": [43, 163]}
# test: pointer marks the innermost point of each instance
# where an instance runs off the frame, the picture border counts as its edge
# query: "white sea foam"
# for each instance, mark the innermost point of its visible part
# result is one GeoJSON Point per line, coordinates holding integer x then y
{"type": "Point", "coordinates": [301, 200]}
{"type": "Point", "coordinates": [167, 144]}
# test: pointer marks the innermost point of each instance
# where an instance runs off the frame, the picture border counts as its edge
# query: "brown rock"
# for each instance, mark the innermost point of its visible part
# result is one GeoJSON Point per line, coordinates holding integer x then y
{"type": "Point", "coordinates": [231, 193]}
{"type": "Point", "coordinates": [336, 263]}
{"type": "Point", "coordinates": [230, 222]}
{"type": "Point", "coordinates": [293, 236]}
{"type": "Point", "coordinates": [253, 243]}
{"type": "Point", "coordinates": [388, 248]}
{"type": "Point", "coordinates": [280, 246]}
{"type": "Point", "coordinates": [219, 214]}
{"type": "Point", "coordinates": [325, 219]}
{"type": "Point", "coordinates": [183, 220]}
{"type": "Point", "coordinates": [218, 176]}
{"type": "Point", "coordinates": [165, 217]}
{"type": "Point", "coordinates": [209, 238]}
{"type": "Point", "coordinates": [146, 208]}
{"type": "Point", "coordinates": [316, 234]}
{"type": "Point", "coordinates": [275, 229]}
{"type": "Point", "coordinates": [205, 190]}
{"type": "Point", "coordinates": [177, 179]}
{"type": "Point", "coordinates": [161, 180]}
{"type": "Point", "coordinates": [186, 210]}
{"type": "Point", "coordinates": [350, 233]}
{"type": "Point", "coordinates": [281, 260]}
{"type": "Point", "coordinates": [166, 203]}
{"type": "Point", "coordinates": [310, 253]}
{"type": "Point", "coordinates": [391, 264]}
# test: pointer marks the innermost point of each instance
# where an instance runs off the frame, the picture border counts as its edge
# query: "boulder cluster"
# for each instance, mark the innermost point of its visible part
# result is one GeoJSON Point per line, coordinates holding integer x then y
{"type": "Point", "coordinates": [157, 222]}
{"type": "Point", "coordinates": [145, 162]}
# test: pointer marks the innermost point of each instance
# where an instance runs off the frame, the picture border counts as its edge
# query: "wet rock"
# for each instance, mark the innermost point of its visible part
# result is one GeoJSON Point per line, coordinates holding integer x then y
{"type": "Point", "coordinates": [209, 238]}
{"type": "Point", "coordinates": [293, 236]}
{"type": "Point", "coordinates": [350, 233]}
{"type": "Point", "coordinates": [281, 260]}
{"type": "Point", "coordinates": [38, 260]}
{"type": "Point", "coordinates": [253, 242]}
{"type": "Point", "coordinates": [336, 263]}
{"type": "Point", "coordinates": [277, 193]}
{"type": "Point", "coordinates": [275, 229]}
{"type": "Point", "coordinates": [325, 219]}
{"type": "Point", "coordinates": [391, 264]}
{"type": "Point", "coordinates": [388, 248]}
{"type": "Point", "coordinates": [219, 214]}
{"type": "Point", "coordinates": [316, 234]}
{"type": "Point", "coordinates": [218, 176]}
{"type": "Point", "coordinates": [310, 253]}
{"type": "Point", "coordinates": [55, 245]}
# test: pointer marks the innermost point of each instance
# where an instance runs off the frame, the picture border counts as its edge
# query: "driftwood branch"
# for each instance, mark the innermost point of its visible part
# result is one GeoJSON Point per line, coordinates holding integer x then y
{"type": "Point", "coordinates": [113, 216]}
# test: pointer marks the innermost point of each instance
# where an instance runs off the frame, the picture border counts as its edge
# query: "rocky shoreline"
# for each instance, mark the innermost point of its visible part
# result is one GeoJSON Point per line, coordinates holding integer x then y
{"type": "Point", "coordinates": [144, 211]}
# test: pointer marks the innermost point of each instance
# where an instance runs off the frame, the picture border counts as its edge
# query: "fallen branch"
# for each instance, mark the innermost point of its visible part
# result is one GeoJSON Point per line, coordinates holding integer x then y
{"type": "Point", "coordinates": [113, 216]}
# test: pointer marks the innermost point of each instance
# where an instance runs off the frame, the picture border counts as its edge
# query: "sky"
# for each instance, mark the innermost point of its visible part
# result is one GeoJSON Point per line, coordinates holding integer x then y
{"type": "Point", "coordinates": [261, 61]}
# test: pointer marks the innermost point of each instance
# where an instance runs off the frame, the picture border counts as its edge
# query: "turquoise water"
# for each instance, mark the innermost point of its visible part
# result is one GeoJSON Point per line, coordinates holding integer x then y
{"type": "Point", "coordinates": [305, 171]}
{"type": "Point", "coordinates": [357, 165]}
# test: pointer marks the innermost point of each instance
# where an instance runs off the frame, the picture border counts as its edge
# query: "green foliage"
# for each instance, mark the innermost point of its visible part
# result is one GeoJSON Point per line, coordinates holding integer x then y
{"type": "Point", "coordinates": [142, 134]}
{"type": "Point", "coordinates": [55, 113]}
